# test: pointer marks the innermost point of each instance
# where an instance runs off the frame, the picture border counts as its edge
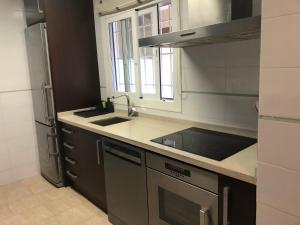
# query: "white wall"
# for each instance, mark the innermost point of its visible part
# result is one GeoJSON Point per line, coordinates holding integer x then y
{"type": "Point", "coordinates": [18, 154]}
{"type": "Point", "coordinates": [278, 188]}
{"type": "Point", "coordinates": [219, 82]}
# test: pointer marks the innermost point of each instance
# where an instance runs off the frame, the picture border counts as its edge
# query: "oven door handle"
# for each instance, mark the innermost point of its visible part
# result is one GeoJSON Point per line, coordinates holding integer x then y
{"type": "Point", "coordinates": [203, 216]}
{"type": "Point", "coordinates": [226, 191]}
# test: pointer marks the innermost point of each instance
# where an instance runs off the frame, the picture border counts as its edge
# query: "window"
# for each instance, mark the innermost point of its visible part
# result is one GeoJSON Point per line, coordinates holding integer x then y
{"type": "Point", "coordinates": [147, 26]}
{"type": "Point", "coordinates": [166, 54]}
{"type": "Point", "coordinates": [122, 55]}
{"type": "Point", "coordinates": [148, 75]}
{"type": "Point", "coordinates": [151, 23]}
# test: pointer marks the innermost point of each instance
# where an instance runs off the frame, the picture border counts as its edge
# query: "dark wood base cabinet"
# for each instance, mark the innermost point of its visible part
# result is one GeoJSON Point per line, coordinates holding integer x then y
{"type": "Point", "coordinates": [83, 163]}
{"type": "Point", "coordinates": [82, 154]}
{"type": "Point", "coordinates": [239, 204]}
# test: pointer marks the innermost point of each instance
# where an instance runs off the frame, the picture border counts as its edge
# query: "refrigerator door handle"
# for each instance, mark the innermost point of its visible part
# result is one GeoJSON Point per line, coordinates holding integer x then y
{"type": "Point", "coordinates": [47, 115]}
{"type": "Point", "coordinates": [39, 7]}
{"type": "Point", "coordinates": [53, 137]}
{"type": "Point", "coordinates": [44, 100]}
{"type": "Point", "coordinates": [48, 87]}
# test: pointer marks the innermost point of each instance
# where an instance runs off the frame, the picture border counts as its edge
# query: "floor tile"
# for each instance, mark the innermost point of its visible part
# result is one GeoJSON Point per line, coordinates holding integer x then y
{"type": "Point", "coordinates": [5, 212]}
{"type": "Point", "coordinates": [14, 220]}
{"type": "Point", "coordinates": [57, 206]}
{"type": "Point", "coordinates": [24, 204]}
{"type": "Point", "coordinates": [72, 217]}
{"type": "Point", "coordinates": [34, 201]}
{"type": "Point", "coordinates": [34, 215]}
{"type": "Point", "coordinates": [96, 220]}
{"type": "Point", "coordinates": [50, 221]}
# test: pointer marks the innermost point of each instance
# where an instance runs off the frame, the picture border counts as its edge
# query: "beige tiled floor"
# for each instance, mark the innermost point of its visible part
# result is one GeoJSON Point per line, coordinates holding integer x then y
{"type": "Point", "coordinates": [35, 202]}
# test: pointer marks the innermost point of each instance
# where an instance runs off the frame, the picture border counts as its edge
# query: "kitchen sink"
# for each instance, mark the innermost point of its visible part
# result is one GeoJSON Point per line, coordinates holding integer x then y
{"type": "Point", "coordinates": [110, 121]}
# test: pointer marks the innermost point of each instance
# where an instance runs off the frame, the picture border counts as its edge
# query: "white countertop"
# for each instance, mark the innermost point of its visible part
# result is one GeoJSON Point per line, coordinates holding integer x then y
{"type": "Point", "coordinates": [140, 130]}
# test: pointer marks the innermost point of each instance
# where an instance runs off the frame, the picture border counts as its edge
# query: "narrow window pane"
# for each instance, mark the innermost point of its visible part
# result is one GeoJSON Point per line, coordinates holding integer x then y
{"type": "Point", "coordinates": [148, 31]}
{"type": "Point", "coordinates": [147, 64]}
{"type": "Point", "coordinates": [122, 55]}
{"type": "Point", "coordinates": [141, 32]}
{"type": "Point", "coordinates": [147, 19]}
{"type": "Point", "coordinates": [165, 18]}
{"type": "Point", "coordinates": [166, 54]}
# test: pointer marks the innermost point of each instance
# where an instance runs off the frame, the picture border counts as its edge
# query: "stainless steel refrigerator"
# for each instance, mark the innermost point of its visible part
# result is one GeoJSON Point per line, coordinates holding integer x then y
{"type": "Point", "coordinates": [43, 103]}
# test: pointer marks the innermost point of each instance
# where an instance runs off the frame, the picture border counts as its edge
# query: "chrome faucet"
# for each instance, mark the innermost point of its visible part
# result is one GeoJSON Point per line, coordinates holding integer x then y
{"type": "Point", "coordinates": [131, 110]}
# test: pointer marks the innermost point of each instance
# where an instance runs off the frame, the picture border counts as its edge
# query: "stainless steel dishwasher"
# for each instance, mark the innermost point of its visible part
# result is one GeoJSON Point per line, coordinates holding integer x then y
{"type": "Point", "coordinates": [126, 183]}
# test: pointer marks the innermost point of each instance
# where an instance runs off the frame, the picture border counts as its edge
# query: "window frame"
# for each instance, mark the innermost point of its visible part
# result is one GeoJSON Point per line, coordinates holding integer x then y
{"type": "Point", "coordinates": [108, 64]}
{"type": "Point", "coordinates": [141, 100]}
{"type": "Point", "coordinates": [155, 96]}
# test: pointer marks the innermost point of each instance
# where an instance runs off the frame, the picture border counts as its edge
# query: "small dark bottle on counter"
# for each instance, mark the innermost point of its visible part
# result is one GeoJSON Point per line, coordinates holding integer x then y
{"type": "Point", "coordinates": [110, 105]}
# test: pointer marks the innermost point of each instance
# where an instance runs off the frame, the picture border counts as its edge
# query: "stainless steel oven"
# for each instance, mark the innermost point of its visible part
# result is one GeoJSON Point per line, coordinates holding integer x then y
{"type": "Point", "coordinates": [180, 194]}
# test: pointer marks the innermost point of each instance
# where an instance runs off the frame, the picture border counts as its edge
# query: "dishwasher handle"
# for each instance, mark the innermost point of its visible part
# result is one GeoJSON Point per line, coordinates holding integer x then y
{"type": "Point", "coordinates": [124, 153]}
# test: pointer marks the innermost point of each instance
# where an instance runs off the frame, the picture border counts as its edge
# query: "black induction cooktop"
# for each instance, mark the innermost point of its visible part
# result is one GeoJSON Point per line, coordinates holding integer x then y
{"type": "Point", "coordinates": [210, 144]}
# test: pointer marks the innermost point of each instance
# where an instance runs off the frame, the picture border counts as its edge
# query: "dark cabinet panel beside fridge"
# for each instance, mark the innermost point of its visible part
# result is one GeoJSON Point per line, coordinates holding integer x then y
{"type": "Point", "coordinates": [73, 53]}
{"type": "Point", "coordinates": [62, 58]}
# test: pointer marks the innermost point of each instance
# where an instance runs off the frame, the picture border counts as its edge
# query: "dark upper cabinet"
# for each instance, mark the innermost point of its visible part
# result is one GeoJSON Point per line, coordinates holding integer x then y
{"type": "Point", "coordinates": [83, 162]}
{"type": "Point", "coordinates": [34, 11]}
{"type": "Point", "coordinates": [239, 204]}
{"type": "Point", "coordinates": [73, 53]}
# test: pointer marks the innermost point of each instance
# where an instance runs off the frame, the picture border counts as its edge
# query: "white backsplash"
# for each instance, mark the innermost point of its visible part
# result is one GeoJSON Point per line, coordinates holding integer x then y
{"type": "Point", "coordinates": [18, 152]}
{"type": "Point", "coordinates": [219, 85]}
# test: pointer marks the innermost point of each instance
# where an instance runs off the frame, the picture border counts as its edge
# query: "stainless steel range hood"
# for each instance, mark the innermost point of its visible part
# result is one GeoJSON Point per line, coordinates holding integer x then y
{"type": "Point", "coordinates": [235, 30]}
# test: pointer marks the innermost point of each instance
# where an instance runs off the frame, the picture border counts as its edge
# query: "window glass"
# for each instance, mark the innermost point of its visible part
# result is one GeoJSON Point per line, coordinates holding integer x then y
{"type": "Point", "coordinates": [147, 55]}
{"type": "Point", "coordinates": [122, 55]}
{"type": "Point", "coordinates": [166, 54]}
{"type": "Point", "coordinates": [165, 18]}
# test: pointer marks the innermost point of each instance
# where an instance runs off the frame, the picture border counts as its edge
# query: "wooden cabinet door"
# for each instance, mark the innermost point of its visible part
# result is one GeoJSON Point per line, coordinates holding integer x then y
{"type": "Point", "coordinates": [241, 202]}
{"type": "Point", "coordinates": [88, 171]}
{"type": "Point", "coordinates": [92, 168]}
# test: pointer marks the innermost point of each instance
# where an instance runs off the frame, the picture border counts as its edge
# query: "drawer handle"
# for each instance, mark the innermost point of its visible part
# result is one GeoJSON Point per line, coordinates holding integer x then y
{"type": "Point", "coordinates": [69, 146]}
{"type": "Point", "coordinates": [71, 161]}
{"type": "Point", "coordinates": [98, 142]}
{"type": "Point", "coordinates": [71, 175]}
{"type": "Point", "coordinates": [203, 217]}
{"type": "Point", "coordinates": [67, 131]}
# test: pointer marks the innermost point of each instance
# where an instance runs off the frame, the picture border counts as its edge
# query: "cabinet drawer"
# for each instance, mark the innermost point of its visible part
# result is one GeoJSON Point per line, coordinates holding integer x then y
{"type": "Point", "coordinates": [69, 133]}
{"type": "Point", "coordinates": [70, 161]}
{"type": "Point", "coordinates": [83, 163]}
{"type": "Point", "coordinates": [74, 178]}
{"type": "Point", "coordinates": [70, 150]}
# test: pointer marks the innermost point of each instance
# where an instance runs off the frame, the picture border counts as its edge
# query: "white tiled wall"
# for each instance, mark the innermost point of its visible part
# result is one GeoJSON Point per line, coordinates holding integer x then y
{"type": "Point", "coordinates": [279, 144]}
{"type": "Point", "coordinates": [270, 216]}
{"type": "Point", "coordinates": [18, 152]}
{"type": "Point", "coordinates": [278, 188]}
